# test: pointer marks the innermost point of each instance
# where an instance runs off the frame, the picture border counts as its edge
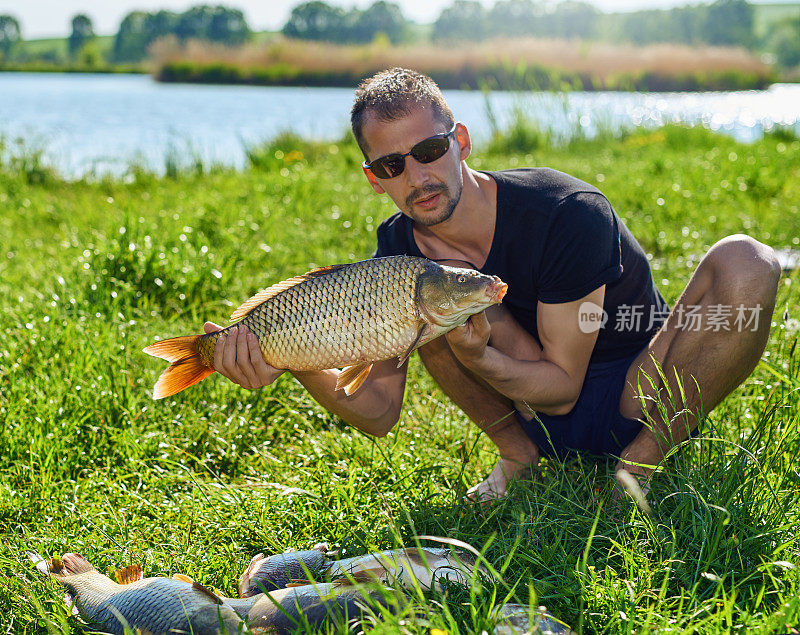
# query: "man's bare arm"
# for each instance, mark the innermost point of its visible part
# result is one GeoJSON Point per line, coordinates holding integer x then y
{"type": "Point", "coordinates": [550, 385]}
{"type": "Point", "coordinates": [374, 408]}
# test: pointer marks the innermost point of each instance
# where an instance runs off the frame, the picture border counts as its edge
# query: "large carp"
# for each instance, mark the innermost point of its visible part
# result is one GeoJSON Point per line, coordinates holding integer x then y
{"type": "Point", "coordinates": [341, 316]}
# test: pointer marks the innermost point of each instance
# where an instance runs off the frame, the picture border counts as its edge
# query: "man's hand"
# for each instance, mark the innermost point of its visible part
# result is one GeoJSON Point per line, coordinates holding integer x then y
{"type": "Point", "coordinates": [469, 342]}
{"type": "Point", "coordinates": [238, 357]}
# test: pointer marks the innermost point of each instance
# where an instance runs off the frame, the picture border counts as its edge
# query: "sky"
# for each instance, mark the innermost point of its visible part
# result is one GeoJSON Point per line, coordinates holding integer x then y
{"type": "Point", "coordinates": [51, 18]}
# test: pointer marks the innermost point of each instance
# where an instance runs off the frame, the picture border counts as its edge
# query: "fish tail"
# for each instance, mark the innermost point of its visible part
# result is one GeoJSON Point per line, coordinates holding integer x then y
{"type": "Point", "coordinates": [186, 369]}
{"type": "Point", "coordinates": [43, 565]}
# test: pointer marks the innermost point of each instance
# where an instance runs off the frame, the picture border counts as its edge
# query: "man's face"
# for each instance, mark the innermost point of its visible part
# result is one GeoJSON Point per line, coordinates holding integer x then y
{"type": "Point", "coordinates": [427, 193]}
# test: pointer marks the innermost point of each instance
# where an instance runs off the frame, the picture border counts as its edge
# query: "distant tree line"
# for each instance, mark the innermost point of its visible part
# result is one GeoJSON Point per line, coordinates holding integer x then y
{"type": "Point", "coordinates": [720, 23]}
{"type": "Point", "coordinates": [136, 32]}
{"type": "Point", "coordinates": [81, 35]}
{"type": "Point", "coordinates": [213, 24]}
{"type": "Point", "coordinates": [783, 41]}
{"type": "Point", "coordinates": [725, 22]}
{"type": "Point", "coordinates": [10, 36]}
{"type": "Point", "coordinates": [317, 20]}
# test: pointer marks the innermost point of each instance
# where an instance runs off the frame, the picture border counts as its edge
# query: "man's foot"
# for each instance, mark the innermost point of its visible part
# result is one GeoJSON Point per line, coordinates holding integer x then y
{"type": "Point", "coordinates": [493, 487]}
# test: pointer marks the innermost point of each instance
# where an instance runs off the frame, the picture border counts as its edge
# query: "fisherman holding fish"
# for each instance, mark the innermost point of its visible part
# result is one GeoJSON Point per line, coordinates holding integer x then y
{"type": "Point", "coordinates": [570, 361]}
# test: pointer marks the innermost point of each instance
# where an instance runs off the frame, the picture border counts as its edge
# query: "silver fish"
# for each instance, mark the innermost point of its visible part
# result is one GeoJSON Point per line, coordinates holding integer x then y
{"type": "Point", "coordinates": [156, 606]}
{"type": "Point", "coordinates": [425, 566]}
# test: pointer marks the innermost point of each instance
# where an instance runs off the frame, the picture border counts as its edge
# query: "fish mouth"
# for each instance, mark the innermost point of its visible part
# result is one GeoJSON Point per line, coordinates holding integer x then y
{"type": "Point", "coordinates": [497, 290]}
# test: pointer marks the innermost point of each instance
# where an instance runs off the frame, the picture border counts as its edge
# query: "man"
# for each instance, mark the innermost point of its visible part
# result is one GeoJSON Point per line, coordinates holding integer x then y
{"type": "Point", "coordinates": [549, 371]}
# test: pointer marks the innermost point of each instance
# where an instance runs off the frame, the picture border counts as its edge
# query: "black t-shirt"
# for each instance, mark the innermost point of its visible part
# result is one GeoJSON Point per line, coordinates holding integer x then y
{"type": "Point", "coordinates": [556, 240]}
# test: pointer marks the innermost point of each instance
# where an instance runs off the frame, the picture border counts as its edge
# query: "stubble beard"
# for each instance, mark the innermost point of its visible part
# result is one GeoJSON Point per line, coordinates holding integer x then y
{"type": "Point", "coordinates": [450, 204]}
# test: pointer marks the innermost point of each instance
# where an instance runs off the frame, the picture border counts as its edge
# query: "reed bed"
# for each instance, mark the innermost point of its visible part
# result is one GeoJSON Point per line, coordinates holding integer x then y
{"type": "Point", "coordinates": [521, 63]}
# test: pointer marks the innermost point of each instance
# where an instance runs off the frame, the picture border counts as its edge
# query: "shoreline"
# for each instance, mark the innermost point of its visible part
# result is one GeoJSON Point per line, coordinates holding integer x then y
{"type": "Point", "coordinates": [491, 78]}
{"type": "Point", "coordinates": [270, 154]}
{"type": "Point", "coordinates": [532, 78]}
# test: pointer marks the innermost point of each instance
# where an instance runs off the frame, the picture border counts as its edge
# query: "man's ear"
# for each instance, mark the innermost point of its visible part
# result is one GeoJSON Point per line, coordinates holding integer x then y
{"type": "Point", "coordinates": [464, 141]}
{"type": "Point", "coordinates": [373, 181]}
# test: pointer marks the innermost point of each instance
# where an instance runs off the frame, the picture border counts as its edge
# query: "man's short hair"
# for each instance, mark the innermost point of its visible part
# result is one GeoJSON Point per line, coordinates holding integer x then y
{"type": "Point", "coordinates": [394, 93]}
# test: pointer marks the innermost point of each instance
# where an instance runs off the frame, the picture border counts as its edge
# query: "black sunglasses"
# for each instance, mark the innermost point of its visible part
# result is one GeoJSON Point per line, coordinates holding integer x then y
{"type": "Point", "coordinates": [426, 151]}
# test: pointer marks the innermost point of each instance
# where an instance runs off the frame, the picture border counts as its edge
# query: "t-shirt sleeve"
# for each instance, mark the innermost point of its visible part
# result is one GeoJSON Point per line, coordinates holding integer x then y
{"type": "Point", "coordinates": [581, 250]}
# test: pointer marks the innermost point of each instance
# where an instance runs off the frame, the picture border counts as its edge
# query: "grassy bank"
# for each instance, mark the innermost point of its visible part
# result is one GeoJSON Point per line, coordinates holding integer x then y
{"type": "Point", "coordinates": [51, 55]}
{"type": "Point", "coordinates": [47, 67]}
{"type": "Point", "coordinates": [520, 64]}
{"type": "Point", "coordinates": [92, 271]}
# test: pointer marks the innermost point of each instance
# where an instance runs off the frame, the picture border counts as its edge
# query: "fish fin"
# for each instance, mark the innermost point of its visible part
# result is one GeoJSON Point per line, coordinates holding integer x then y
{"type": "Point", "coordinates": [270, 292]}
{"type": "Point", "coordinates": [404, 358]}
{"type": "Point", "coordinates": [187, 367]}
{"type": "Point", "coordinates": [300, 582]}
{"type": "Point", "coordinates": [180, 577]}
{"type": "Point", "coordinates": [246, 585]}
{"type": "Point", "coordinates": [129, 574]}
{"type": "Point", "coordinates": [361, 576]}
{"type": "Point", "coordinates": [74, 564]}
{"type": "Point", "coordinates": [174, 349]}
{"type": "Point", "coordinates": [351, 377]}
{"type": "Point", "coordinates": [72, 605]}
{"type": "Point", "coordinates": [205, 591]}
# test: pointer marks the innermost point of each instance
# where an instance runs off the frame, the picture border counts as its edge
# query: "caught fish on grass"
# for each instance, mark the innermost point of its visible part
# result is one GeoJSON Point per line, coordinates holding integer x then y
{"type": "Point", "coordinates": [157, 606]}
{"type": "Point", "coordinates": [428, 567]}
{"type": "Point", "coordinates": [276, 594]}
{"type": "Point", "coordinates": [341, 316]}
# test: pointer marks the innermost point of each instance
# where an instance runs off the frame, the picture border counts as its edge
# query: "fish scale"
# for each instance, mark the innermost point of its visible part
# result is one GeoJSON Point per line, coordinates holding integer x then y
{"type": "Point", "coordinates": [342, 316]}
{"type": "Point", "coordinates": [161, 605]}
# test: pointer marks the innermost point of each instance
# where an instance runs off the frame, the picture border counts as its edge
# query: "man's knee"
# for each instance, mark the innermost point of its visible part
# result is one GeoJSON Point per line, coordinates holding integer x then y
{"type": "Point", "coordinates": [744, 269]}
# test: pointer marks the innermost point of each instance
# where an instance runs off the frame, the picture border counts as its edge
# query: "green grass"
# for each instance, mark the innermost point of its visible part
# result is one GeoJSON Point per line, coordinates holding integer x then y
{"type": "Point", "coordinates": [92, 271]}
{"type": "Point", "coordinates": [57, 46]}
{"type": "Point", "coordinates": [51, 55]}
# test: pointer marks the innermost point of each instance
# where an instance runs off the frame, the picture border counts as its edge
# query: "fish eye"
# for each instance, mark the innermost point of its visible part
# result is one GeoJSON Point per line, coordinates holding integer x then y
{"type": "Point", "coordinates": [462, 278]}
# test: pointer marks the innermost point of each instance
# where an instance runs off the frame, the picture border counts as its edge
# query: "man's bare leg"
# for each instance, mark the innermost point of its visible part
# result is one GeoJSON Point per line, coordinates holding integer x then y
{"type": "Point", "coordinates": [492, 412]}
{"type": "Point", "coordinates": [736, 271]}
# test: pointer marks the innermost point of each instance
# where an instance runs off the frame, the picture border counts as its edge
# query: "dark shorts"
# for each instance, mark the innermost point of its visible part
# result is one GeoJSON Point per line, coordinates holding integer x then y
{"type": "Point", "coordinates": [594, 425]}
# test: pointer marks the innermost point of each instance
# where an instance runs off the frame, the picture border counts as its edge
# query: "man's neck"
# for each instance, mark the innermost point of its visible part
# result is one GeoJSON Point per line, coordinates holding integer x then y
{"type": "Point", "coordinates": [467, 235]}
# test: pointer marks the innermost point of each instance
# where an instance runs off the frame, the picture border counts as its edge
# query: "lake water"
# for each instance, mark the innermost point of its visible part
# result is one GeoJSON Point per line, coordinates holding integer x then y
{"type": "Point", "coordinates": [103, 123]}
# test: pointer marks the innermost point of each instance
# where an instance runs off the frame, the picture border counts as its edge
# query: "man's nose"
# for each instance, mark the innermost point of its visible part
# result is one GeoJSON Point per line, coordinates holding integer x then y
{"type": "Point", "coordinates": [416, 173]}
